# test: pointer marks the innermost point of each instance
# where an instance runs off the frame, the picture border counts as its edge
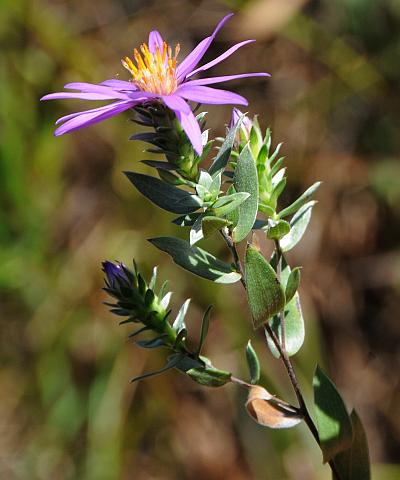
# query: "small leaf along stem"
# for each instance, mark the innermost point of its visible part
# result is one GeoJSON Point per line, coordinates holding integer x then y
{"type": "Point", "coordinates": [282, 351]}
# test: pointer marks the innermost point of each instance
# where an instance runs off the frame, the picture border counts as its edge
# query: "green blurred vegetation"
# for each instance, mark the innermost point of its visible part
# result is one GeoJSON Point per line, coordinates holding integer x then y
{"type": "Point", "coordinates": [67, 408]}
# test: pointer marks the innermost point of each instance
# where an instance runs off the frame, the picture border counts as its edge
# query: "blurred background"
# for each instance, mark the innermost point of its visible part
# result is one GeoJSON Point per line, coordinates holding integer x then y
{"type": "Point", "coordinates": [67, 409]}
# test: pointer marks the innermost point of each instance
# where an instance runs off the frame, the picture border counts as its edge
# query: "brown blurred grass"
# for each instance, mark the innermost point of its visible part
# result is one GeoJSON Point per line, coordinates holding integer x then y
{"type": "Point", "coordinates": [67, 408]}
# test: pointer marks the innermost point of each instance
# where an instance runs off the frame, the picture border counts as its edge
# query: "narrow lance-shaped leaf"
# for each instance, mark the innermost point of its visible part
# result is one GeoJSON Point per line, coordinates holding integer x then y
{"type": "Point", "coordinates": [246, 180]}
{"type": "Point", "coordinates": [265, 294]}
{"type": "Point", "coordinates": [153, 343]}
{"type": "Point", "coordinates": [353, 463]}
{"type": "Point", "coordinates": [298, 226]}
{"type": "Point", "coordinates": [209, 376]}
{"type": "Point", "coordinates": [196, 260]}
{"type": "Point", "coordinates": [164, 195]}
{"type": "Point", "coordinates": [292, 208]}
{"type": "Point", "coordinates": [292, 284]}
{"type": "Point", "coordinates": [138, 332]}
{"type": "Point", "coordinates": [152, 284]}
{"type": "Point", "coordinates": [228, 203]}
{"type": "Point", "coordinates": [294, 322]}
{"type": "Point", "coordinates": [334, 425]}
{"type": "Point", "coordinates": [204, 329]}
{"type": "Point", "coordinates": [253, 363]}
{"type": "Point", "coordinates": [222, 158]}
{"type": "Point", "coordinates": [171, 363]}
{"type": "Point", "coordinates": [179, 323]}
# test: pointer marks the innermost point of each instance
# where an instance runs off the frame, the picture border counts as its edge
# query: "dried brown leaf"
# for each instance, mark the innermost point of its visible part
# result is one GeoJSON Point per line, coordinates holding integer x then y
{"type": "Point", "coordinates": [270, 411]}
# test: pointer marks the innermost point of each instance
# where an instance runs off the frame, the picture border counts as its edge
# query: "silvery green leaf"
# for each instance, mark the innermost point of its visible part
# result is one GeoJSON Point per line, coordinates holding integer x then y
{"type": "Point", "coordinates": [277, 191]}
{"type": "Point", "coordinates": [196, 260]}
{"type": "Point", "coordinates": [179, 322]}
{"type": "Point", "coordinates": [163, 195]}
{"type": "Point", "coordinates": [205, 179]}
{"type": "Point", "coordinates": [200, 117]}
{"type": "Point", "coordinates": [255, 140]}
{"type": "Point", "coordinates": [278, 176]}
{"type": "Point", "coordinates": [353, 463]}
{"type": "Point", "coordinates": [264, 292]}
{"type": "Point", "coordinates": [262, 155]}
{"type": "Point", "coordinates": [276, 229]}
{"type": "Point", "coordinates": [277, 166]}
{"type": "Point", "coordinates": [153, 280]}
{"type": "Point", "coordinates": [246, 180]}
{"type": "Point", "coordinates": [162, 289]}
{"type": "Point", "coordinates": [294, 323]}
{"type": "Point", "coordinates": [292, 284]}
{"type": "Point", "coordinates": [206, 149]}
{"type": "Point", "coordinates": [216, 184]}
{"type": "Point", "coordinates": [232, 216]}
{"type": "Point", "coordinates": [228, 203]}
{"type": "Point", "coordinates": [276, 153]}
{"type": "Point", "coordinates": [187, 220]}
{"type": "Point", "coordinates": [253, 363]}
{"type": "Point", "coordinates": [204, 137]}
{"type": "Point", "coordinates": [266, 209]}
{"type": "Point", "coordinates": [298, 226]}
{"type": "Point", "coordinates": [165, 300]}
{"type": "Point", "coordinates": [204, 329]}
{"type": "Point", "coordinates": [211, 225]}
{"type": "Point", "coordinates": [196, 232]}
{"type": "Point", "coordinates": [202, 191]}
{"type": "Point", "coordinates": [209, 376]}
{"type": "Point", "coordinates": [335, 430]}
{"type": "Point", "coordinates": [292, 208]}
{"type": "Point", "coordinates": [222, 158]}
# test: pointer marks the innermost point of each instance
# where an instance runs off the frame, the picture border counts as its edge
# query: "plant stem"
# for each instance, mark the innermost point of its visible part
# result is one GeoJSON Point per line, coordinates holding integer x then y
{"type": "Point", "coordinates": [281, 349]}
{"type": "Point", "coordinates": [279, 255]}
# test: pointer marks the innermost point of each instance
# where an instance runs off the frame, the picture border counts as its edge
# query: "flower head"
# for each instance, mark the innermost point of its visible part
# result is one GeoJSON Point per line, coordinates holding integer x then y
{"type": "Point", "coordinates": [116, 274]}
{"type": "Point", "coordinates": [157, 76]}
{"type": "Point", "coordinates": [154, 72]}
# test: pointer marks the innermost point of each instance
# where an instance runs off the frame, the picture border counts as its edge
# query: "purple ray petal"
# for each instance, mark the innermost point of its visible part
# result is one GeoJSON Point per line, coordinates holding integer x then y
{"type": "Point", "coordinates": [92, 88]}
{"type": "Point", "coordinates": [197, 54]}
{"type": "Point", "coordinates": [174, 102]}
{"type": "Point", "coordinates": [186, 119]}
{"type": "Point", "coordinates": [220, 58]}
{"type": "Point", "coordinates": [90, 117]}
{"type": "Point", "coordinates": [83, 96]}
{"type": "Point", "coordinates": [224, 78]}
{"type": "Point", "coordinates": [208, 95]}
{"type": "Point", "coordinates": [119, 84]}
{"type": "Point", "coordinates": [155, 40]}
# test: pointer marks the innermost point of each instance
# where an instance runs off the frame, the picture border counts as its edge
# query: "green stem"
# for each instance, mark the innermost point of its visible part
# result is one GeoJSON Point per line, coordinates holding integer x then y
{"type": "Point", "coordinates": [279, 255]}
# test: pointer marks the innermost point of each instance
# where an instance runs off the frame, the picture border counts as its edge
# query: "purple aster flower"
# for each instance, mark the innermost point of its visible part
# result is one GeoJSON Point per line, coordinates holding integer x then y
{"type": "Point", "coordinates": [157, 75]}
